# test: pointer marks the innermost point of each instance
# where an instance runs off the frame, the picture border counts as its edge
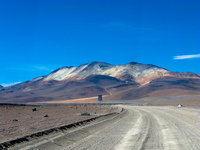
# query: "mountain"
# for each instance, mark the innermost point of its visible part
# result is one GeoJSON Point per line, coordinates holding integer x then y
{"type": "Point", "coordinates": [117, 82]}
{"type": "Point", "coordinates": [1, 86]}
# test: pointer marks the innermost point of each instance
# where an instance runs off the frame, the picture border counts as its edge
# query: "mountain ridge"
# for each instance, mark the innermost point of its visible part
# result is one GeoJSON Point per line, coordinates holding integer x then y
{"type": "Point", "coordinates": [141, 72]}
{"type": "Point", "coordinates": [130, 81]}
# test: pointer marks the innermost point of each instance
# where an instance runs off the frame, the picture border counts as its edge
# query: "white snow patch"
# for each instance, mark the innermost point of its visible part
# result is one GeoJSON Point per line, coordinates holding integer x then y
{"type": "Point", "coordinates": [36, 79]}
{"type": "Point", "coordinates": [117, 70]}
{"type": "Point", "coordinates": [61, 74]}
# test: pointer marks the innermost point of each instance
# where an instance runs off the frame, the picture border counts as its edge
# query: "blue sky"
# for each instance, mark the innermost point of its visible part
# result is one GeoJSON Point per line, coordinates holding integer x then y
{"type": "Point", "coordinates": [38, 36]}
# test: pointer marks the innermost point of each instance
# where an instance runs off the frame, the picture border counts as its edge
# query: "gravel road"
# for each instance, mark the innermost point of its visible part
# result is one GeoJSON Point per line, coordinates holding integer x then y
{"type": "Point", "coordinates": [138, 127]}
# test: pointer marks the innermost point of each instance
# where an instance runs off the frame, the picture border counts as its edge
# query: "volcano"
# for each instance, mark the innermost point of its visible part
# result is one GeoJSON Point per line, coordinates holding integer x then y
{"type": "Point", "coordinates": [115, 82]}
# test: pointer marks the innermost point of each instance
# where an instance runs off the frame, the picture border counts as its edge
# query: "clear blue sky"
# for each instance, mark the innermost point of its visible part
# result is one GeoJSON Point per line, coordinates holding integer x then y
{"type": "Point", "coordinates": [38, 36]}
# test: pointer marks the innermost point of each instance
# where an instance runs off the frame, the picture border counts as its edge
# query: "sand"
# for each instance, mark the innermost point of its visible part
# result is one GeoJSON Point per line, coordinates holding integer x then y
{"type": "Point", "coordinates": [18, 121]}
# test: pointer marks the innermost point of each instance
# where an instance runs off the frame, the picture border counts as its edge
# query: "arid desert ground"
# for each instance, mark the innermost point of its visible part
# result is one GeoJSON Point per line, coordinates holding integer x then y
{"type": "Point", "coordinates": [18, 121]}
{"type": "Point", "coordinates": [129, 127]}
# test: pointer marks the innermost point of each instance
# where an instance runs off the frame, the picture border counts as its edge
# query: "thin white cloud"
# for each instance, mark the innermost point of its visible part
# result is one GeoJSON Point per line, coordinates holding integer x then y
{"type": "Point", "coordinates": [43, 68]}
{"type": "Point", "coordinates": [9, 84]}
{"type": "Point", "coordinates": [187, 56]}
{"type": "Point", "coordinates": [31, 68]}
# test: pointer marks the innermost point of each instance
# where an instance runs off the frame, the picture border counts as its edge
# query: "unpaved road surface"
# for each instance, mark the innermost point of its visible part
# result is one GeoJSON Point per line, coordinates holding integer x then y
{"type": "Point", "coordinates": [139, 127]}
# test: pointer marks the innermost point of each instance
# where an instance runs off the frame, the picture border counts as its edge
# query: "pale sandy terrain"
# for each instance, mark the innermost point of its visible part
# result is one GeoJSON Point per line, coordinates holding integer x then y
{"type": "Point", "coordinates": [171, 100]}
{"type": "Point", "coordinates": [137, 127]}
{"type": "Point", "coordinates": [31, 122]}
{"type": "Point", "coordinates": [185, 100]}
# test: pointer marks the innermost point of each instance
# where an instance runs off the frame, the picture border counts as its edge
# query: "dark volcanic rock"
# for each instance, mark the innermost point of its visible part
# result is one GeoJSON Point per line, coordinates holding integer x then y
{"type": "Point", "coordinates": [102, 80]}
{"type": "Point", "coordinates": [33, 109]}
{"type": "Point", "coordinates": [85, 114]}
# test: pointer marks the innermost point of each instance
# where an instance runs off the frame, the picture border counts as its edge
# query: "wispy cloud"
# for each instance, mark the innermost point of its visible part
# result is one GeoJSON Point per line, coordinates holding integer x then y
{"type": "Point", "coordinates": [9, 84]}
{"type": "Point", "coordinates": [187, 56]}
{"type": "Point", "coordinates": [43, 68]}
{"type": "Point", "coordinates": [32, 68]}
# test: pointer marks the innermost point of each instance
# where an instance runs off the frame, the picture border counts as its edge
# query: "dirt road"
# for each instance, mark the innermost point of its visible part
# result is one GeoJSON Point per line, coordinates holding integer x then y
{"type": "Point", "coordinates": [144, 127]}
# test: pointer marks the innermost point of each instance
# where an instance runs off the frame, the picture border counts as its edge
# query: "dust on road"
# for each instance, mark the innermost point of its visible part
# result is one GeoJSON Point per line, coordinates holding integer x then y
{"type": "Point", "coordinates": [139, 127]}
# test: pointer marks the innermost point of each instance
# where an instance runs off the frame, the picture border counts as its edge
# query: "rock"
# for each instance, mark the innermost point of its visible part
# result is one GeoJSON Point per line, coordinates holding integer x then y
{"type": "Point", "coordinates": [179, 105]}
{"type": "Point", "coordinates": [46, 116]}
{"type": "Point", "coordinates": [85, 114]}
{"type": "Point", "coordinates": [34, 109]}
{"type": "Point", "coordinates": [15, 120]}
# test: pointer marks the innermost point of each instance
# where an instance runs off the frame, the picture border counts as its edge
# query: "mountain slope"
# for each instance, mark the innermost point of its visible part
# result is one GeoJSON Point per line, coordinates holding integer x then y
{"type": "Point", "coordinates": [129, 81]}
{"type": "Point", "coordinates": [159, 88]}
{"type": "Point", "coordinates": [142, 74]}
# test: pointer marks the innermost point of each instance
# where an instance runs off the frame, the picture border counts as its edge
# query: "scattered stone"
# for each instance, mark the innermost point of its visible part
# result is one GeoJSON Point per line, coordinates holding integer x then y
{"type": "Point", "coordinates": [2, 130]}
{"type": "Point", "coordinates": [85, 114]}
{"type": "Point", "coordinates": [46, 116]}
{"type": "Point", "coordinates": [32, 128]}
{"type": "Point", "coordinates": [6, 107]}
{"type": "Point", "coordinates": [15, 120]}
{"type": "Point", "coordinates": [34, 109]}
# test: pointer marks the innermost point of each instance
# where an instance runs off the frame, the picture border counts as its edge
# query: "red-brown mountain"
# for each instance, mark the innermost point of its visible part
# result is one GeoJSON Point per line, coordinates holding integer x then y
{"type": "Point", "coordinates": [120, 82]}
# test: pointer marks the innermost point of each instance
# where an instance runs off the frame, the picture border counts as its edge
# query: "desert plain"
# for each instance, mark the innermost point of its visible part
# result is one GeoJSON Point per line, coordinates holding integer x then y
{"type": "Point", "coordinates": [148, 125]}
{"type": "Point", "coordinates": [142, 111]}
{"type": "Point", "coordinates": [17, 121]}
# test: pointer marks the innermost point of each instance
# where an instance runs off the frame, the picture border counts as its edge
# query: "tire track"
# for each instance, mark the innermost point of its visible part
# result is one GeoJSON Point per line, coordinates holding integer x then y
{"type": "Point", "coordinates": [112, 134]}
{"type": "Point", "coordinates": [177, 133]}
{"type": "Point", "coordinates": [127, 142]}
{"type": "Point", "coordinates": [139, 128]}
{"type": "Point", "coordinates": [152, 136]}
{"type": "Point", "coordinates": [187, 135]}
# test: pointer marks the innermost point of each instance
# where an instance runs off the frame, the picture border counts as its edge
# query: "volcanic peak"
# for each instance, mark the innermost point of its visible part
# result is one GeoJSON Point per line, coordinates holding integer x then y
{"type": "Point", "coordinates": [141, 73]}
{"type": "Point", "coordinates": [129, 81]}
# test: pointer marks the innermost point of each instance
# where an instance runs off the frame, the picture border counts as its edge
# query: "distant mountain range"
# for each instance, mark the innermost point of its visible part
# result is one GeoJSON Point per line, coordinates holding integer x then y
{"type": "Point", "coordinates": [117, 82]}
